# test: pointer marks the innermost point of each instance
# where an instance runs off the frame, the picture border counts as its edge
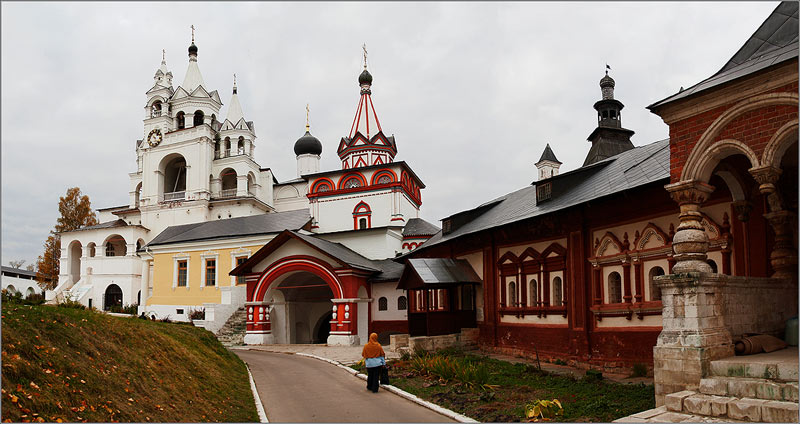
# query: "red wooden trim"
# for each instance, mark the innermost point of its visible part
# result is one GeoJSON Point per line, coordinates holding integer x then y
{"type": "Point", "coordinates": [350, 175]}
{"type": "Point", "coordinates": [392, 175]}
{"type": "Point", "coordinates": [296, 263]}
{"type": "Point", "coordinates": [375, 114]}
{"type": "Point", "coordinates": [323, 181]}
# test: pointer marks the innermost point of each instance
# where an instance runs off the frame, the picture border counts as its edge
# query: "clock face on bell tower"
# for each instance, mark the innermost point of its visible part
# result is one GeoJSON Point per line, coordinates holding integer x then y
{"type": "Point", "coordinates": [154, 137]}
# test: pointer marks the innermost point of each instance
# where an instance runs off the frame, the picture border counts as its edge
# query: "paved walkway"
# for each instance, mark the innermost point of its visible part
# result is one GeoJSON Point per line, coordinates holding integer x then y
{"type": "Point", "coordinates": [300, 389]}
{"type": "Point", "coordinates": [343, 354]}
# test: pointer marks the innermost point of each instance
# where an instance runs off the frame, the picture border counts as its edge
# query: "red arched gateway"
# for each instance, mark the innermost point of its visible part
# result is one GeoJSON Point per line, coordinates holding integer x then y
{"type": "Point", "coordinates": [302, 289]}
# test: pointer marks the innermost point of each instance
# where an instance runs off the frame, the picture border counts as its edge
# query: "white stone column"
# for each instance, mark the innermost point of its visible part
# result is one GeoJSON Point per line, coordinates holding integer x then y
{"type": "Point", "coordinates": [690, 242]}
{"type": "Point", "coordinates": [130, 249]}
{"type": "Point", "coordinates": [241, 185]}
{"type": "Point", "coordinates": [145, 284]}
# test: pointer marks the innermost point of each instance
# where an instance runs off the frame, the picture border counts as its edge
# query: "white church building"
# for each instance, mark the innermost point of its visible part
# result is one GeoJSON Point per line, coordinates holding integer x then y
{"type": "Point", "coordinates": [201, 206]}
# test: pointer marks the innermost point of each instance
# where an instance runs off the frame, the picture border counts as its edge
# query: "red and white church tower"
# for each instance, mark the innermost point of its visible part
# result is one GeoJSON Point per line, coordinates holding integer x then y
{"type": "Point", "coordinates": [336, 280]}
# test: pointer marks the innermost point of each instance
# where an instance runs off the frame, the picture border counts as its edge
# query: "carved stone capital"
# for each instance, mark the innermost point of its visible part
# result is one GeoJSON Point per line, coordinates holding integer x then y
{"type": "Point", "coordinates": [766, 176]}
{"type": "Point", "coordinates": [689, 192]}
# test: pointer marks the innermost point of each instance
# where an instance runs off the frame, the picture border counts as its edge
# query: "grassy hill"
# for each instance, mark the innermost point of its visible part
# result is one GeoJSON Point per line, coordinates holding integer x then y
{"type": "Point", "coordinates": [66, 364]}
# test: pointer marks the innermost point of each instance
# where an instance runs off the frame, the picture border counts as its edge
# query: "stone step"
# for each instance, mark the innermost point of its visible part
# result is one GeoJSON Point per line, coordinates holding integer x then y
{"type": "Point", "coordinates": [781, 365]}
{"type": "Point", "coordinates": [756, 388]}
{"type": "Point", "coordinates": [733, 408]}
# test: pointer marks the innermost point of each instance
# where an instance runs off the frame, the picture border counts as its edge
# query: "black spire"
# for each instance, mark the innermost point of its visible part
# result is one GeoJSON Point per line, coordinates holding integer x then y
{"type": "Point", "coordinates": [609, 138]}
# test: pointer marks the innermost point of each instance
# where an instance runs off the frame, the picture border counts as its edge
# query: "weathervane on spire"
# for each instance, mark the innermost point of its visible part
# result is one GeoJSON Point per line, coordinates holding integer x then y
{"type": "Point", "coordinates": [607, 68]}
{"type": "Point", "coordinates": [364, 47]}
{"type": "Point", "coordinates": [308, 125]}
{"type": "Point", "coordinates": [193, 34]}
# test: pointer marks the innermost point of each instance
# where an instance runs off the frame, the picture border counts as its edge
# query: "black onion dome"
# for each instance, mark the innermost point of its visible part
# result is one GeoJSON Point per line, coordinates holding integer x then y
{"type": "Point", "coordinates": [607, 81]}
{"type": "Point", "coordinates": [192, 49]}
{"type": "Point", "coordinates": [365, 78]}
{"type": "Point", "coordinates": [307, 144]}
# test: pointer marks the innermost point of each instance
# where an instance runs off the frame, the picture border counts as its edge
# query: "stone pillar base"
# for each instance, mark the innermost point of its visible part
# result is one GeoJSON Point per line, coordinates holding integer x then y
{"type": "Point", "coordinates": [678, 368]}
{"type": "Point", "coordinates": [259, 339]}
{"type": "Point", "coordinates": [693, 331]}
{"type": "Point", "coordinates": [343, 340]}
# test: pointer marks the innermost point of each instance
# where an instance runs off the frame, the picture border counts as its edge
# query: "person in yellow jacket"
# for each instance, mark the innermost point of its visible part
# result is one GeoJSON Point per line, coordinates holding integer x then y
{"type": "Point", "coordinates": [375, 360]}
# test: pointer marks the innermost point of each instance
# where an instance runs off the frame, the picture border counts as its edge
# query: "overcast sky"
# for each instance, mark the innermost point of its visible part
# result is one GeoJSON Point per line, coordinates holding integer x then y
{"type": "Point", "coordinates": [472, 91]}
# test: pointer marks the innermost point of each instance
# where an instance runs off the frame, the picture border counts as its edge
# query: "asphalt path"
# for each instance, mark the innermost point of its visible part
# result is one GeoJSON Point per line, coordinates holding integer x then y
{"type": "Point", "coordinates": [301, 389]}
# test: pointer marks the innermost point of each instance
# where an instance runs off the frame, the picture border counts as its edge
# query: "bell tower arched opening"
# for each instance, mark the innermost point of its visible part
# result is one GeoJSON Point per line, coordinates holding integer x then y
{"type": "Point", "coordinates": [173, 174]}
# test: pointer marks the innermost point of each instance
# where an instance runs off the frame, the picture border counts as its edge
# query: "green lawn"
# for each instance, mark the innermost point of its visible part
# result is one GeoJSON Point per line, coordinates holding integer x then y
{"type": "Point", "coordinates": [79, 365]}
{"type": "Point", "coordinates": [516, 385]}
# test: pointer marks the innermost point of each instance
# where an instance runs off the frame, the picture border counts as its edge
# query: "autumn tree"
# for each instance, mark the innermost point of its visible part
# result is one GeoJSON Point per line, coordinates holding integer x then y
{"type": "Point", "coordinates": [76, 212]}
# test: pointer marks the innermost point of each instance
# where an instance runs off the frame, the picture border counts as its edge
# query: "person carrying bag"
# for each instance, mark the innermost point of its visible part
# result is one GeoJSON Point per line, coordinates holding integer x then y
{"type": "Point", "coordinates": [374, 360]}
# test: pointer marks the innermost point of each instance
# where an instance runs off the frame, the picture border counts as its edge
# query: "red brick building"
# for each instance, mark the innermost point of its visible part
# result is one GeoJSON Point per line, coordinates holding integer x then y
{"type": "Point", "coordinates": [570, 265]}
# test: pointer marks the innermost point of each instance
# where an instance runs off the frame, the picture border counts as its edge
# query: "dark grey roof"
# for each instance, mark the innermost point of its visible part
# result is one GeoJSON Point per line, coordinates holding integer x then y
{"type": "Point", "coordinates": [775, 41]}
{"type": "Point", "coordinates": [633, 168]}
{"type": "Point", "coordinates": [548, 155]}
{"type": "Point", "coordinates": [9, 270]}
{"type": "Point", "coordinates": [437, 273]}
{"type": "Point", "coordinates": [444, 270]}
{"type": "Point", "coordinates": [340, 252]}
{"type": "Point", "coordinates": [608, 142]}
{"type": "Point", "coordinates": [419, 227]}
{"type": "Point", "coordinates": [109, 224]}
{"type": "Point", "coordinates": [390, 270]}
{"type": "Point", "coordinates": [234, 227]}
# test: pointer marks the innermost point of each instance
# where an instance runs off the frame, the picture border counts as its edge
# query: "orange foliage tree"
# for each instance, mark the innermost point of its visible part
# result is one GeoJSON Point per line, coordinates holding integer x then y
{"type": "Point", "coordinates": [76, 212]}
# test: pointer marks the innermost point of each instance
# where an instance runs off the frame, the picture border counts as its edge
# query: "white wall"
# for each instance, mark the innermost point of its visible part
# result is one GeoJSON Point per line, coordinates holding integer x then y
{"type": "Point", "coordinates": [391, 294]}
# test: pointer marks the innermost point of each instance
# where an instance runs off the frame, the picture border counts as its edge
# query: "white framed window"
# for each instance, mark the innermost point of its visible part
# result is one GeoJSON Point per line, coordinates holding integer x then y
{"type": "Point", "coordinates": [533, 292]}
{"type": "Point", "coordinates": [179, 261]}
{"type": "Point", "coordinates": [210, 264]}
{"type": "Point", "coordinates": [238, 257]}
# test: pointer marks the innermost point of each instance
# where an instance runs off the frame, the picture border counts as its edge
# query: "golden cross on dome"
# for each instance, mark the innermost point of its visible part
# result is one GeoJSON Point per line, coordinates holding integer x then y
{"type": "Point", "coordinates": [364, 47]}
{"type": "Point", "coordinates": [307, 121]}
{"type": "Point", "coordinates": [192, 34]}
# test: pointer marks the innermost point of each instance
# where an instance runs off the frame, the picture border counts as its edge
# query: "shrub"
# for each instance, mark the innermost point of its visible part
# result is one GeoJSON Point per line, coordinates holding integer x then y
{"type": "Point", "coordinates": [639, 370]}
{"type": "Point", "coordinates": [197, 314]}
{"type": "Point", "coordinates": [34, 299]}
{"type": "Point", "coordinates": [559, 362]}
{"type": "Point", "coordinates": [544, 410]}
{"type": "Point", "coordinates": [405, 355]}
{"type": "Point", "coordinates": [69, 303]}
{"type": "Point", "coordinates": [593, 375]}
{"type": "Point", "coordinates": [10, 297]}
{"type": "Point", "coordinates": [127, 309]}
{"type": "Point", "coordinates": [165, 319]}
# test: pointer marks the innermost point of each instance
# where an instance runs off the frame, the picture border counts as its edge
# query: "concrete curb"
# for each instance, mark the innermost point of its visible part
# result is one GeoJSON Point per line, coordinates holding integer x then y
{"type": "Point", "coordinates": [262, 414]}
{"type": "Point", "coordinates": [402, 393]}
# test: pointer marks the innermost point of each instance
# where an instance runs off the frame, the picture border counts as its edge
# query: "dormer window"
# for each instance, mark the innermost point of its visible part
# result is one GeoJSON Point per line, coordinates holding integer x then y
{"type": "Point", "coordinates": [446, 226]}
{"type": "Point", "coordinates": [543, 192]}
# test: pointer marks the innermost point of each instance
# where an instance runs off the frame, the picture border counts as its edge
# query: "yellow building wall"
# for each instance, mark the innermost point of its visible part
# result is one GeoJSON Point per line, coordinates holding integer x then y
{"type": "Point", "coordinates": [193, 293]}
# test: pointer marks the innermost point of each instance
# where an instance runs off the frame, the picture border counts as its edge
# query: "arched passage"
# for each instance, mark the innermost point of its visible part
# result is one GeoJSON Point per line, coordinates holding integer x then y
{"type": "Point", "coordinates": [75, 252]}
{"type": "Point", "coordinates": [299, 291]}
{"type": "Point", "coordinates": [112, 297]}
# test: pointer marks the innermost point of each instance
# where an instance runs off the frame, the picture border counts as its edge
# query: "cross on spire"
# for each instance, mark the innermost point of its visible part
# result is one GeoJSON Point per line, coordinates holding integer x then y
{"type": "Point", "coordinates": [364, 47]}
{"type": "Point", "coordinates": [234, 80]}
{"type": "Point", "coordinates": [308, 125]}
{"type": "Point", "coordinates": [192, 33]}
{"type": "Point", "coordinates": [163, 55]}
